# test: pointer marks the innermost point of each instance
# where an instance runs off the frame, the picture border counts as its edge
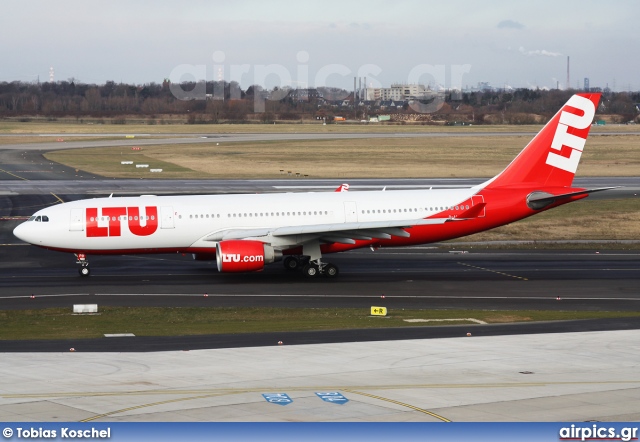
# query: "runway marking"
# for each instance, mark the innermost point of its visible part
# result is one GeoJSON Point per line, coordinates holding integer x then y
{"type": "Point", "coordinates": [493, 271]}
{"type": "Point", "coordinates": [421, 410]}
{"type": "Point", "coordinates": [477, 321]}
{"type": "Point", "coordinates": [153, 404]}
{"type": "Point", "coordinates": [307, 388]}
{"type": "Point", "coordinates": [352, 389]}
{"type": "Point", "coordinates": [57, 197]}
{"type": "Point", "coordinates": [240, 295]}
{"type": "Point", "coordinates": [13, 175]}
{"type": "Point", "coordinates": [31, 207]}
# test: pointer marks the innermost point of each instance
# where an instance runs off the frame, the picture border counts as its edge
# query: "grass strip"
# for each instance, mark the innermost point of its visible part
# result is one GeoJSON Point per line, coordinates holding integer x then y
{"type": "Point", "coordinates": [60, 323]}
{"type": "Point", "coordinates": [344, 159]}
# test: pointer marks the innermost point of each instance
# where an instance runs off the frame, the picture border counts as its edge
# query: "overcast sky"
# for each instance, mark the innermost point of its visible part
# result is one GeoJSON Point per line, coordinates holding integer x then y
{"type": "Point", "coordinates": [324, 42]}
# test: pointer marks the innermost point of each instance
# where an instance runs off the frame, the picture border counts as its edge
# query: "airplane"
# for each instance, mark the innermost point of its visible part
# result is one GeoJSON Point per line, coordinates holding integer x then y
{"type": "Point", "coordinates": [243, 233]}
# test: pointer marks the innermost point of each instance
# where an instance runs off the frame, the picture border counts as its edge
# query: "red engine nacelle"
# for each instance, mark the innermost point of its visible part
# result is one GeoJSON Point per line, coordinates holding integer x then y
{"type": "Point", "coordinates": [245, 256]}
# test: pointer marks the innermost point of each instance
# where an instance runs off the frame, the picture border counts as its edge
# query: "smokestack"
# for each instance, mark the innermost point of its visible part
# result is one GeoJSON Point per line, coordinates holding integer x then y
{"type": "Point", "coordinates": [568, 77]}
{"type": "Point", "coordinates": [354, 90]}
{"type": "Point", "coordinates": [355, 103]}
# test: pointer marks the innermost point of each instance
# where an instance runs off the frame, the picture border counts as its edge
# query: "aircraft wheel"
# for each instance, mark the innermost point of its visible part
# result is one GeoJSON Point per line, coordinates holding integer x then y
{"type": "Point", "coordinates": [291, 263]}
{"type": "Point", "coordinates": [84, 271]}
{"type": "Point", "coordinates": [331, 271]}
{"type": "Point", "coordinates": [310, 271]}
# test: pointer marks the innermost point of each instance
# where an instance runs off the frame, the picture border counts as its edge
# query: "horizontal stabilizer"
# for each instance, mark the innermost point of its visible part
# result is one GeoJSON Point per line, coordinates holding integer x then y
{"type": "Point", "coordinates": [540, 200]}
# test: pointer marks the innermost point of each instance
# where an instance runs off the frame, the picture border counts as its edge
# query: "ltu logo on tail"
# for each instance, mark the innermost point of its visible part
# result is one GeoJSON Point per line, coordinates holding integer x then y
{"type": "Point", "coordinates": [562, 136]}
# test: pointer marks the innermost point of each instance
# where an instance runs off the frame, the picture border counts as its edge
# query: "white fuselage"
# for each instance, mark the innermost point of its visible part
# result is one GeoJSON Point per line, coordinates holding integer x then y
{"type": "Point", "coordinates": [185, 222]}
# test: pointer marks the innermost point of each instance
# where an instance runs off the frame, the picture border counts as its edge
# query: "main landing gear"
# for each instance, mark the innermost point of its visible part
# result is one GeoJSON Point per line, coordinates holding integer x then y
{"type": "Point", "coordinates": [310, 268]}
{"type": "Point", "coordinates": [84, 269]}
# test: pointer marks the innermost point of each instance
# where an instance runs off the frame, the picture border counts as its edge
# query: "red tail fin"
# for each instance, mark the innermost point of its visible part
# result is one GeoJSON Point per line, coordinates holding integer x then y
{"type": "Point", "coordinates": [551, 158]}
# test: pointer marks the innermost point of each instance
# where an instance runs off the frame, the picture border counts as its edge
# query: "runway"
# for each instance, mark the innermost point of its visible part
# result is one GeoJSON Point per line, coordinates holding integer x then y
{"type": "Point", "coordinates": [159, 139]}
{"type": "Point", "coordinates": [93, 187]}
{"type": "Point", "coordinates": [204, 138]}
{"type": "Point", "coordinates": [417, 277]}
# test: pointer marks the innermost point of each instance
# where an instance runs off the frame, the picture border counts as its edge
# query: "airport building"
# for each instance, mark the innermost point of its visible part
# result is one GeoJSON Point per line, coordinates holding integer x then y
{"type": "Point", "coordinates": [397, 92]}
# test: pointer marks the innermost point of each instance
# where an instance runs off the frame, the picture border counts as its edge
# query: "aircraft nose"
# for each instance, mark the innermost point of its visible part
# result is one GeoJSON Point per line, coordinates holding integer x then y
{"type": "Point", "coordinates": [23, 232]}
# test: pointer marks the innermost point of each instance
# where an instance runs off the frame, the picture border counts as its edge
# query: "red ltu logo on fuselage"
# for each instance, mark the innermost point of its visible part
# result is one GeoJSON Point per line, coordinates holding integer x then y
{"type": "Point", "coordinates": [140, 225]}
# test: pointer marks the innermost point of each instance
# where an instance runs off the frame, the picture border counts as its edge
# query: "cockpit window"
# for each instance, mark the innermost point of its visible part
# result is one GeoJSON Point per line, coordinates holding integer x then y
{"type": "Point", "coordinates": [38, 219]}
{"type": "Point", "coordinates": [45, 219]}
{"type": "Point", "coordinates": [31, 218]}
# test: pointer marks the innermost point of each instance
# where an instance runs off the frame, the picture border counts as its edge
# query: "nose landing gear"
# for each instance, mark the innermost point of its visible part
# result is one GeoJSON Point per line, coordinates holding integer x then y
{"type": "Point", "coordinates": [84, 269]}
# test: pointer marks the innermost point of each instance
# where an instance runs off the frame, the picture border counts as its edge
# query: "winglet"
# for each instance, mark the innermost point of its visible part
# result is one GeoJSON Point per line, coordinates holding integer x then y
{"type": "Point", "coordinates": [342, 188]}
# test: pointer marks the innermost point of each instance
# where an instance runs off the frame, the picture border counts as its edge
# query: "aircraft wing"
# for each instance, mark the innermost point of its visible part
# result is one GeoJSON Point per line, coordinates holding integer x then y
{"type": "Point", "coordinates": [345, 233]}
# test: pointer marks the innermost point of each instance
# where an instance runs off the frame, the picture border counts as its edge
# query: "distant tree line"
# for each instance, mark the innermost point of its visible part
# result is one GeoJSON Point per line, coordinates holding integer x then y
{"type": "Point", "coordinates": [226, 101]}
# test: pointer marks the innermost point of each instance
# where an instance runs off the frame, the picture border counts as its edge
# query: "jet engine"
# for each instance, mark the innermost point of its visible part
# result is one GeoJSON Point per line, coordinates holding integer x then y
{"type": "Point", "coordinates": [234, 256]}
